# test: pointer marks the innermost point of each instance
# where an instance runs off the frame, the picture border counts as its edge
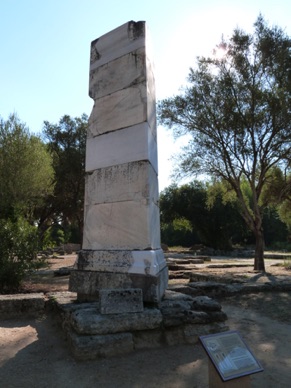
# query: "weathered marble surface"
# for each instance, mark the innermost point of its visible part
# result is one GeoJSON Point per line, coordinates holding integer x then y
{"type": "Point", "coordinates": [130, 144]}
{"type": "Point", "coordinates": [124, 261]}
{"type": "Point", "coordinates": [136, 181]}
{"type": "Point", "coordinates": [118, 42]}
{"type": "Point", "coordinates": [121, 208]}
{"type": "Point", "coordinates": [122, 109]}
{"type": "Point", "coordinates": [126, 225]}
{"type": "Point", "coordinates": [135, 68]}
{"type": "Point", "coordinates": [130, 65]}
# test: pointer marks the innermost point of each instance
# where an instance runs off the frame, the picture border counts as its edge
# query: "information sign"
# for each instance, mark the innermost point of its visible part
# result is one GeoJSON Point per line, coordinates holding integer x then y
{"type": "Point", "coordinates": [230, 355]}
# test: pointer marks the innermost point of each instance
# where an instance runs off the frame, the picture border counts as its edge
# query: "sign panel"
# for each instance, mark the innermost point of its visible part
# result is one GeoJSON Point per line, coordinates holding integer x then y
{"type": "Point", "coordinates": [230, 355]}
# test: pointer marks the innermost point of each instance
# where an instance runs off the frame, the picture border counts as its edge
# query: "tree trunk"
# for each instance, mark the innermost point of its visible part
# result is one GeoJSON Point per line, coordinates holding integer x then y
{"type": "Point", "coordinates": [259, 264]}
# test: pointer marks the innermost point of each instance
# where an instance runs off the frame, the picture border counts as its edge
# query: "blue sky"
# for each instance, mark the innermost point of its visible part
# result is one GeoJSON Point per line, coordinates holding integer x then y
{"type": "Point", "coordinates": [45, 49]}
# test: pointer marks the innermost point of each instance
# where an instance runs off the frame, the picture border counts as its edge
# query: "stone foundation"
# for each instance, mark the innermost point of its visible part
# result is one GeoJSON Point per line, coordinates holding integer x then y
{"type": "Point", "coordinates": [177, 319]}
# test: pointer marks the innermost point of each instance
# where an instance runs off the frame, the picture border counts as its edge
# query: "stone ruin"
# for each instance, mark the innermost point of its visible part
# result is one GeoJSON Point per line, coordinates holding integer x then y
{"type": "Point", "coordinates": [121, 275]}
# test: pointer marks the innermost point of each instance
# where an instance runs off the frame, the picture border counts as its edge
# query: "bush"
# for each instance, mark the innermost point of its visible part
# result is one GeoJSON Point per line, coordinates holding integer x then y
{"type": "Point", "coordinates": [18, 252]}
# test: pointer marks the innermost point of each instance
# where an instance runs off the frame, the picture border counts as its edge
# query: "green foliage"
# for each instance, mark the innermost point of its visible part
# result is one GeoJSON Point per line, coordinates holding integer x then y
{"type": "Point", "coordinates": [210, 214]}
{"type": "Point", "coordinates": [26, 181]}
{"type": "Point", "coordinates": [18, 250]}
{"type": "Point", "coordinates": [217, 224]}
{"type": "Point", "coordinates": [183, 201]}
{"type": "Point", "coordinates": [54, 236]}
{"type": "Point", "coordinates": [280, 194]}
{"type": "Point", "coordinates": [177, 232]}
{"type": "Point", "coordinates": [275, 231]}
{"type": "Point", "coordinates": [277, 187]}
{"type": "Point", "coordinates": [26, 173]}
{"type": "Point", "coordinates": [66, 142]}
{"type": "Point", "coordinates": [237, 111]}
{"type": "Point", "coordinates": [219, 188]}
{"type": "Point", "coordinates": [285, 213]}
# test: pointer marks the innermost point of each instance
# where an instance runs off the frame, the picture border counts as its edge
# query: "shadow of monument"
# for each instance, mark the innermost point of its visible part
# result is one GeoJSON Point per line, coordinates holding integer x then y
{"type": "Point", "coordinates": [46, 362]}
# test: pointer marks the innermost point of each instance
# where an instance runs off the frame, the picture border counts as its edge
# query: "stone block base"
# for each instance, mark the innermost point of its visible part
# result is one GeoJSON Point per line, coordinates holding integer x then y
{"type": "Point", "coordinates": [88, 284]}
{"type": "Point", "coordinates": [121, 301]}
{"type": "Point", "coordinates": [89, 321]}
{"type": "Point", "coordinates": [92, 334]}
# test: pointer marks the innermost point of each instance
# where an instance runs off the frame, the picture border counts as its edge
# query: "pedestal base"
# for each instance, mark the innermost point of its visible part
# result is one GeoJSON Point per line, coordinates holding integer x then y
{"type": "Point", "coordinates": [87, 284]}
{"type": "Point", "coordinates": [92, 334]}
{"type": "Point", "coordinates": [97, 270]}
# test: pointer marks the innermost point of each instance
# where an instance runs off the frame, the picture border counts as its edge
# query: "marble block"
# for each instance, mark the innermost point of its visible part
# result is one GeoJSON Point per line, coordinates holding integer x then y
{"type": "Point", "coordinates": [135, 181]}
{"type": "Point", "coordinates": [121, 261]}
{"type": "Point", "coordinates": [132, 68]}
{"type": "Point", "coordinates": [118, 42]}
{"type": "Point", "coordinates": [135, 67]}
{"type": "Point", "coordinates": [122, 225]}
{"type": "Point", "coordinates": [126, 145]}
{"type": "Point", "coordinates": [124, 108]}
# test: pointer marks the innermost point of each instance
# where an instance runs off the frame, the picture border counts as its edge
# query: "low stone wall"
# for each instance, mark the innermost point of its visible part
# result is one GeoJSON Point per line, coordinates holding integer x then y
{"type": "Point", "coordinates": [17, 305]}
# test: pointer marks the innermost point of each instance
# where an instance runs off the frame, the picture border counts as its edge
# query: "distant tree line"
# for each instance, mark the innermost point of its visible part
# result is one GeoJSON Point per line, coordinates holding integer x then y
{"type": "Point", "coordinates": [199, 213]}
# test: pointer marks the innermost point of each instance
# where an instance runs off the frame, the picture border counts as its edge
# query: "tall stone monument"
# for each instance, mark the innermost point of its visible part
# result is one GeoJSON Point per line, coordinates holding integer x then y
{"type": "Point", "coordinates": [121, 244]}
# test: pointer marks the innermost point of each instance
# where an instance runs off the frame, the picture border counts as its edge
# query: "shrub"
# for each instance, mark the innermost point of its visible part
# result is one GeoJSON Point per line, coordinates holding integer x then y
{"type": "Point", "coordinates": [18, 252]}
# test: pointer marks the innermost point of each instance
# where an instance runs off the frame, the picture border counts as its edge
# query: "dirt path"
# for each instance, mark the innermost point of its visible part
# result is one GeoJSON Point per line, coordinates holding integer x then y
{"type": "Point", "coordinates": [34, 353]}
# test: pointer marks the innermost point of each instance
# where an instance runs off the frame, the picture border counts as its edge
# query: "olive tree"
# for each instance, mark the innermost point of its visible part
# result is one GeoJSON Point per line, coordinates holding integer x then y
{"type": "Point", "coordinates": [236, 107]}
